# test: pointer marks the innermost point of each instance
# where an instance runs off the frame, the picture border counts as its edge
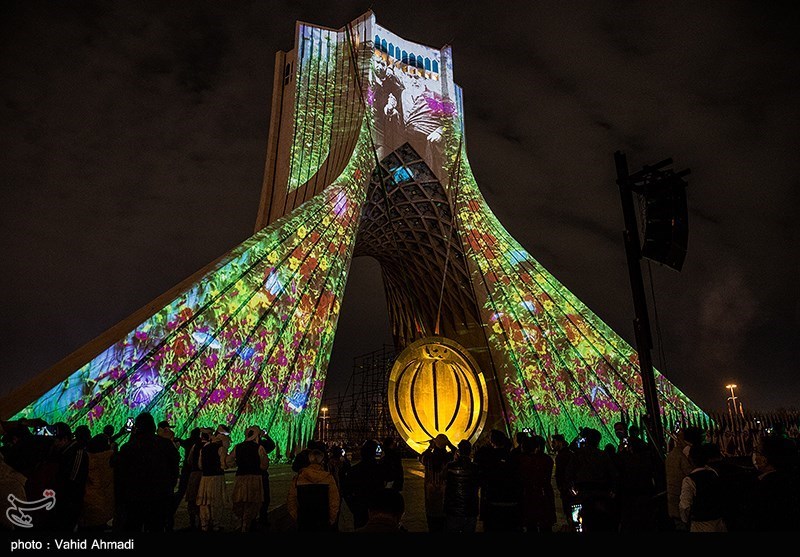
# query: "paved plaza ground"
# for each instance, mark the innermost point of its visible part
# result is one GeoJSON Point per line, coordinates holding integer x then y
{"type": "Point", "coordinates": [281, 476]}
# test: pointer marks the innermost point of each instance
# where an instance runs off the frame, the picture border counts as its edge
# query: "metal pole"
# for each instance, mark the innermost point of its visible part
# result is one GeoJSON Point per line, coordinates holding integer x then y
{"type": "Point", "coordinates": [324, 426]}
{"type": "Point", "coordinates": [735, 409]}
{"type": "Point", "coordinates": [641, 323]}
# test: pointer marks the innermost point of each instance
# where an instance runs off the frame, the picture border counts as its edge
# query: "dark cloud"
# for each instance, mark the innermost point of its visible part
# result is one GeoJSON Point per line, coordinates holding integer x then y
{"type": "Point", "coordinates": [134, 136]}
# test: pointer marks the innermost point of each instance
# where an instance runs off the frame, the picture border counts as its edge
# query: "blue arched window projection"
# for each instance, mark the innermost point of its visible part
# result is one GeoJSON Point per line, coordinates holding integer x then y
{"type": "Point", "coordinates": [406, 57]}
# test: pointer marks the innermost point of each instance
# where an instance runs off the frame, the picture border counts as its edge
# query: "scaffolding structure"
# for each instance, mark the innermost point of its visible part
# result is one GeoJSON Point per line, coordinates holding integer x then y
{"type": "Point", "coordinates": [362, 411]}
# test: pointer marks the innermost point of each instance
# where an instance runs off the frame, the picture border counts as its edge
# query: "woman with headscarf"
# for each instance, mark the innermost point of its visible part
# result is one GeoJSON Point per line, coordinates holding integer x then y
{"type": "Point", "coordinates": [251, 460]}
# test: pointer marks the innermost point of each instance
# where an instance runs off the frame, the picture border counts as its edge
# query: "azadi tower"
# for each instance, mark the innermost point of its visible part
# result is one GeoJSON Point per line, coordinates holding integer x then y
{"type": "Point", "coordinates": [367, 156]}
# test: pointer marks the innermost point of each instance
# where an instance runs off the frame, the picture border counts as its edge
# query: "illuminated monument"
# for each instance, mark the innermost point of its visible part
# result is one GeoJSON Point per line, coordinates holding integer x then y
{"type": "Point", "coordinates": [366, 156]}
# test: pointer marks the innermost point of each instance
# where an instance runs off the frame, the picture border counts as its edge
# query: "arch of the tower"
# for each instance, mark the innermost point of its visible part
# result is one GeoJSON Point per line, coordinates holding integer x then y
{"type": "Point", "coordinates": [407, 226]}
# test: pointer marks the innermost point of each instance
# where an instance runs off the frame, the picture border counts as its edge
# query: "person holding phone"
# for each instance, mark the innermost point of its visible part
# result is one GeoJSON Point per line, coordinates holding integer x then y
{"type": "Point", "coordinates": [593, 478]}
{"type": "Point", "coordinates": [70, 479]}
{"type": "Point", "coordinates": [435, 458]}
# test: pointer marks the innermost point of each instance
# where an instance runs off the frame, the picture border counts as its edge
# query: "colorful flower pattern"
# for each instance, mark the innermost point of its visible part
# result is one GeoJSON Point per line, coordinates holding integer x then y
{"type": "Point", "coordinates": [249, 342]}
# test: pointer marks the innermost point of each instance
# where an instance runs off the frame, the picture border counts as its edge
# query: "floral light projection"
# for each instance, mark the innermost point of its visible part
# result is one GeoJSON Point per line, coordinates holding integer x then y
{"type": "Point", "coordinates": [319, 65]}
{"type": "Point", "coordinates": [561, 367]}
{"type": "Point", "coordinates": [249, 342]}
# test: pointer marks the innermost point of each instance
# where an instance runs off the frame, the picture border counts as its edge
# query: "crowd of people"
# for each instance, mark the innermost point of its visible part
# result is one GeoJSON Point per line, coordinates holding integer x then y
{"type": "Point", "coordinates": [101, 483]}
{"type": "Point", "coordinates": [136, 479]}
{"type": "Point", "coordinates": [737, 434]}
{"type": "Point", "coordinates": [623, 487]}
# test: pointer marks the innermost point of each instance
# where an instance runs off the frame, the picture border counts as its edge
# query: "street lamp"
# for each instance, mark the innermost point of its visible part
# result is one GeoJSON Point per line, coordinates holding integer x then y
{"type": "Point", "coordinates": [324, 418]}
{"type": "Point", "coordinates": [732, 399]}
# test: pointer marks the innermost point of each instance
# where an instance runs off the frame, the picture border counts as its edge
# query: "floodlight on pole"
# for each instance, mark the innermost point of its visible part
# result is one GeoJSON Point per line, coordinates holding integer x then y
{"type": "Point", "coordinates": [665, 239]}
{"type": "Point", "coordinates": [735, 408]}
{"type": "Point", "coordinates": [324, 428]}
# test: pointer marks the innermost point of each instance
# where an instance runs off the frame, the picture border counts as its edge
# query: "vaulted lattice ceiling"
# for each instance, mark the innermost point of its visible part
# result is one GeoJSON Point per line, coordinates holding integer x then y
{"type": "Point", "coordinates": [411, 244]}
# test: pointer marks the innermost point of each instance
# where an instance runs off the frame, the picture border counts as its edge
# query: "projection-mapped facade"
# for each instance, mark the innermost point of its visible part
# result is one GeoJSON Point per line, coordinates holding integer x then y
{"type": "Point", "coordinates": [366, 156]}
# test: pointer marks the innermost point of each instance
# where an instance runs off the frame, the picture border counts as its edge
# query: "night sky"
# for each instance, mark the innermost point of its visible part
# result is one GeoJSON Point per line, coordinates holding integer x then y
{"type": "Point", "coordinates": [133, 139]}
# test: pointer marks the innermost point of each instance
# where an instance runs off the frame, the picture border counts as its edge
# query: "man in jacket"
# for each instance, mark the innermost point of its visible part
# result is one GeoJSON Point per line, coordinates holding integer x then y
{"type": "Point", "coordinates": [535, 469]}
{"type": "Point", "coordinates": [702, 498]}
{"type": "Point", "coordinates": [461, 491]}
{"type": "Point", "coordinates": [392, 464]}
{"type": "Point", "coordinates": [774, 499]}
{"type": "Point", "coordinates": [148, 469]}
{"type": "Point", "coordinates": [678, 467]}
{"type": "Point", "coordinates": [500, 486]}
{"type": "Point", "coordinates": [70, 482]}
{"type": "Point", "coordinates": [313, 501]}
{"type": "Point", "coordinates": [386, 509]}
{"type": "Point", "coordinates": [361, 482]}
{"type": "Point", "coordinates": [592, 477]}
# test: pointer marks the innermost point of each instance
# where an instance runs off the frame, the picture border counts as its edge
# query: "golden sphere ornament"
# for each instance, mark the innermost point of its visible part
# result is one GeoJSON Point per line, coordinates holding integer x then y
{"type": "Point", "coordinates": [436, 387]}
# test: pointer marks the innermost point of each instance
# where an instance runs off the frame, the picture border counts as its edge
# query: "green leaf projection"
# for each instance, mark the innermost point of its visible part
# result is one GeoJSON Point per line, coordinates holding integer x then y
{"type": "Point", "coordinates": [561, 367]}
{"type": "Point", "coordinates": [249, 343]}
{"type": "Point", "coordinates": [250, 340]}
{"type": "Point", "coordinates": [319, 63]}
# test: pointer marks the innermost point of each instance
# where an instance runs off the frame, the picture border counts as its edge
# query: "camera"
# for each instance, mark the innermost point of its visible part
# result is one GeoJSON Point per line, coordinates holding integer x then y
{"type": "Point", "coordinates": [581, 441]}
{"type": "Point", "coordinates": [378, 451]}
{"type": "Point", "coordinates": [129, 425]}
{"type": "Point", "coordinates": [44, 430]}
